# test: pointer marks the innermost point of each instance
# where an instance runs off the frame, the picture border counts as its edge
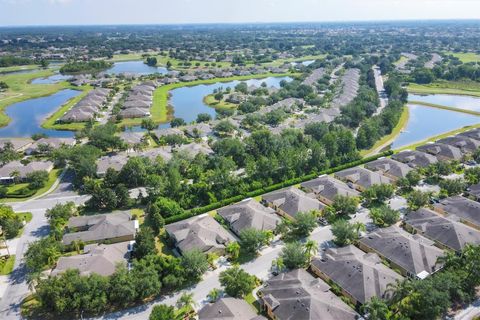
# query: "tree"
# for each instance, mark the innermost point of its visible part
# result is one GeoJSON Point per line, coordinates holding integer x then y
{"type": "Point", "coordinates": [417, 199]}
{"type": "Point", "coordinates": [294, 256]}
{"type": "Point", "coordinates": [237, 282]}
{"type": "Point", "coordinates": [214, 295]}
{"type": "Point", "coordinates": [177, 122]}
{"type": "Point", "coordinates": [144, 243]}
{"type": "Point", "coordinates": [195, 264]}
{"type": "Point", "coordinates": [343, 232]}
{"type": "Point", "coordinates": [186, 301]}
{"type": "Point", "coordinates": [145, 278]}
{"type": "Point", "coordinates": [311, 248]}
{"type": "Point", "coordinates": [378, 194]}
{"type": "Point", "coordinates": [452, 187]}
{"type": "Point", "coordinates": [233, 250]}
{"type": "Point", "coordinates": [58, 217]}
{"type": "Point", "coordinates": [345, 205]}
{"type": "Point", "coordinates": [384, 216]}
{"type": "Point", "coordinates": [168, 207]}
{"type": "Point", "coordinates": [42, 253]}
{"type": "Point", "coordinates": [122, 290]}
{"type": "Point", "coordinates": [104, 138]}
{"type": "Point", "coordinates": [224, 128]}
{"type": "Point", "coordinates": [37, 179]}
{"type": "Point", "coordinates": [152, 61]}
{"type": "Point", "coordinates": [203, 117]}
{"type": "Point", "coordinates": [376, 309]}
{"type": "Point", "coordinates": [10, 222]}
{"type": "Point", "coordinates": [148, 124]}
{"type": "Point", "coordinates": [252, 240]}
{"type": "Point", "coordinates": [162, 312]}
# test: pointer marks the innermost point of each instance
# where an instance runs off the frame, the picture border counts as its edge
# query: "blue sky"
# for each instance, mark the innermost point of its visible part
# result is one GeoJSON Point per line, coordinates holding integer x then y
{"type": "Point", "coordinates": [79, 12]}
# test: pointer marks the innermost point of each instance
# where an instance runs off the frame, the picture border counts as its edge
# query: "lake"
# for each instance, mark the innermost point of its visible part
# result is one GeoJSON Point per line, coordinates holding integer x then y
{"type": "Point", "coordinates": [51, 79]}
{"type": "Point", "coordinates": [135, 67]}
{"type": "Point", "coordinates": [27, 116]}
{"type": "Point", "coordinates": [425, 122]}
{"type": "Point", "coordinates": [450, 100]}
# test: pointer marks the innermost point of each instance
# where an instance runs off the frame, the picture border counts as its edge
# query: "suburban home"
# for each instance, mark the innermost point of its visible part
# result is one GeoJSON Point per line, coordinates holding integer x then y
{"type": "Point", "coordinates": [134, 138]}
{"type": "Point", "coordinates": [465, 144]}
{"type": "Point", "coordinates": [412, 255]}
{"type": "Point", "coordinates": [443, 152]}
{"type": "Point", "coordinates": [101, 259]}
{"type": "Point", "coordinates": [474, 191]}
{"type": "Point", "coordinates": [299, 295]}
{"type": "Point", "coordinates": [199, 130]}
{"type": "Point", "coordinates": [115, 162]}
{"type": "Point", "coordinates": [360, 275]}
{"type": "Point", "coordinates": [16, 171]}
{"type": "Point", "coordinates": [474, 134]}
{"type": "Point", "coordinates": [461, 209]}
{"type": "Point", "coordinates": [447, 233]}
{"type": "Point", "coordinates": [18, 144]}
{"type": "Point", "coordinates": [88, 107]}
{"type": "Point", "coordinates": [201, 232]}
{"type": "Point", "coordinates": [163, 152]}
{"type": "Point", "coordinates": [390, 168]}
{"type": "Point", "coordinates": [110, 227]}
{"type": "Point", "coordinates": [229, 309]}
{"type": "Point", "coordinates": [167, 132]}
{"type": "Point", "coordinates": [249, 214]}
{"type": "Point", "coordinates": [361, 178]}
{"type": "Point", "coordinates": [326, 188]}
{"type": "Point", "coordinates": [135, 112]}
{"type": "Point", "coordinates": [192, 149]}
{"type": "Point", "coordinates": [50, 143]}
{"type": "Point", "coordinates": [415, 159]}
{"type": "Point", "coordinates": [288, 202]}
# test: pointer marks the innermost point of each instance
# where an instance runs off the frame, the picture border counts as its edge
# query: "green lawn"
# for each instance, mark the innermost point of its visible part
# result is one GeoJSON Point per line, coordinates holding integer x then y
{"type": "Point", "coordinates": [52, 177]}
{"type": "Point", "coordinates": [467, 88]}
{"type": "Point", "coordinates": [7, 266]}
{"type": "Point", "coordinates": [20, 89]}
{"type": "Point", "coordinates": [466, 57]}
{"type": "Point", "coordinates": [159, 110]}
{"type": "Point", "coordinates": [433, 105]}
{"type": "Point", "coordinates": [214, 103]}
{"type": "Point", "coordinates": [50, 122]}
{"type": "Point", "coordinates": [18, 68]}
{"type": "Point", "coordinates": [127, 57]}
{"type": "Point", "coordinates": [280, 62]}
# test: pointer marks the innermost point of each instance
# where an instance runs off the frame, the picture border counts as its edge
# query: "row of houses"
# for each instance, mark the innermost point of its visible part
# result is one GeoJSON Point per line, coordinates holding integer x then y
{"type": "Point", "coordinates": [139, 101]}
{"type": "Point", "coordinates": [87, 108]}
{"type": "Point", "coordinates": [29, 146]}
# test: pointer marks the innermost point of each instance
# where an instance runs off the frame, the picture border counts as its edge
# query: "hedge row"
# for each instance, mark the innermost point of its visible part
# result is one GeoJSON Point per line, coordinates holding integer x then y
{"type": "Point", "coordinates": [284, 184]}
{"type": "Point", "coordinates": [21, 194]}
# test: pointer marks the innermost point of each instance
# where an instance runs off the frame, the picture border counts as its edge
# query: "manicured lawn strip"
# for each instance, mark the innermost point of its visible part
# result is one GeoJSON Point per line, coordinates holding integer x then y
{"type": "Point", "coordinates": [18, 68]}
{"type": "Point", "coordinates": [214, 103]}
{"type": "Point", "coordinates": [50, 122]}
{"type": "Point", "coordinates": [126, 57]}
{"type": "Point", "coordinates": [159, 109]}
{"type": "Point", "coordinates": [466, 57]}
{"type": "Point", "coordinates": [438, 106]}
{"type": "Point", "coordinates": [251, 300]}
{"type": "Point", "coordinates": [20, 89]}
{"type": "Point", "coordinates": [437, 137]}
{"type": "Point", "coordinates": [465, 88]}
{"type": "Point", "coordinates": [52, 177]}
{"type": "Point", "coordinates": [7, 268]}
{"type": "Point", "coordinates": [27, 216]}
{"type": "Point", "coordinates": [388, 139]}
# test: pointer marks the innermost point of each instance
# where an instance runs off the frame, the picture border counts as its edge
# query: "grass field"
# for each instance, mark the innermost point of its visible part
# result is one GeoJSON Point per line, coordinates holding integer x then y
{"type": "Point", "coordinates": [433, 105]}
{"type": "Point", "coordinates": [388, 139]}
{"type": "Point", "coordinates": [466, 88]}
{"type": "Point", "coordinates": [214, 103]}
{"type": "Point", "coordinates": [466, 57]}
{"type": "Point", "coordinates": [18, 68]}
{"type": "Point", "coordinates": [7, 267]}
{"type": "Point", "coordinates": [127, 57]}
{"type": "Point", "coordinates": [50, 122]}
{"type": "Point", "coordinates": [159, 110]}
{"type": "Point", "coordinates": [20, 89]}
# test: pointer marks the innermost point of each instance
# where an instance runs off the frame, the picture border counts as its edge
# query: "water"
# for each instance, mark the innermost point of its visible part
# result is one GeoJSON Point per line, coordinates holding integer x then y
{"type": "Point", "coordinates": [135, 67]}
{"type": "Point", "coordinates": [52, 79]}
{"type": "Point", "coordinates": [188, 102]}
{"type": "Point", "coordinates": [450, 100]}
{"type": "Point", "coordinates": [425, 122]}
{"type": "Point", "coordinates": [27, 116]}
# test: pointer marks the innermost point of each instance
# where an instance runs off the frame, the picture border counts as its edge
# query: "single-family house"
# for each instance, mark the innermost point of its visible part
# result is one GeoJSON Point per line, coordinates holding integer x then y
{"type": "Point", "coordinates": [290, 201]}
{"type": "Point", "coordinates": [229, 309]}
{"type": "Point", "coordinates": [461, 209]}
{"type": "Point", "coordinates": [466, 144]}
{"type": "Point", "coordinates": [361, 178]}
{"type": "Point", "coordinates": [443, 152]}
{"type": "Point", "coordinates": [326, 188]}
{"type": "Point", "coordinates": [390, 168]}
{"type": "Point", "coordinates": [415, 159]}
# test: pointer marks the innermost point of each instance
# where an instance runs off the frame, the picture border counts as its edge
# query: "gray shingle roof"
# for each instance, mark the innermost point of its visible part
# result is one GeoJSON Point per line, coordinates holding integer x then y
{"type": "Point", "coordinates": [441, 151]}
{"type": "Point", "coordinates": [415, 158]}
{"type": "Point", "coordinates": [293, 201]}
{"type": "Point", "coordinates": [200, 232]}
{"type": "Point", "coordinates": [228, 309]}
{"type": "Point", "coordinates": [452, 234]}
{"type": "Point", "coordinates": [329, 187]}
{"type": "Point", "coordinates": [464, 143]}
{"type": "Point", "coordinates": [362, 177]}
{"type": "Point", "coordinates": [413, 253]}
{"type": "Point", "coordinates": [101, 227]}
{"type": "Point", "coordinates": [461, 208]}
{"type": "Point", "coordinates": [7, 171]}
{"type": "Point", "coordinates": [362, 275]}
{"type": "Point", "coordinates": [389, 166]}
{"type": "Point", "coordinates": [101, 259]}
{"type": "Point", "coordinates": [298, 295]}
{"type": "Point", "coordinates": [249, 214]}
{"type": "Point", "coordinates": [474, 134]}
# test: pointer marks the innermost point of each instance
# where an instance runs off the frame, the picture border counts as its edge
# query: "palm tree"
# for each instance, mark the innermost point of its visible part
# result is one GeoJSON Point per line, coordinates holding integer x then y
{"type": "Point", "coordinates": [233, 249]}
{"type": "Point", "coordinates": [186, 301]}
{"type": "Point", "coordinates": [311, 248]}
{"type": "Point", "coordinates": [358, 226]}
{"type": "Point", "coordinates": [214, 294]}
{"type": "Point", "coordinates": [278, 265]}
{"type": "Point", "coordinates": [376, 309]}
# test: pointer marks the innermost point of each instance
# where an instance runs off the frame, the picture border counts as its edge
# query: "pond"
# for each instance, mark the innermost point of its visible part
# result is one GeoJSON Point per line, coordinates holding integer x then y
{"type": "Point", "coordinates": [425, 122]}
{"type": "Point", "coordinates": [450, 100]}
{"type": "Point", "coordinates": [51, 79]}
{"type": "Point", "coordinates": [135, 67]}
{"type": "Point", "coordinates": [27, 116]}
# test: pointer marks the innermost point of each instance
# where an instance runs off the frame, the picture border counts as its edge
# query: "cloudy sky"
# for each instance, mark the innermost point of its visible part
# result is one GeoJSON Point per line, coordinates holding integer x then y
{"type": "Point", "coordinates": [79, 12]}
